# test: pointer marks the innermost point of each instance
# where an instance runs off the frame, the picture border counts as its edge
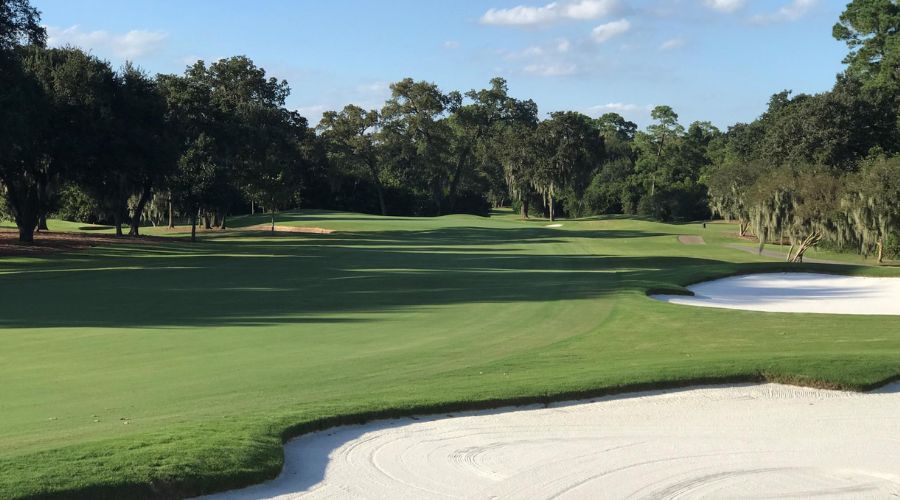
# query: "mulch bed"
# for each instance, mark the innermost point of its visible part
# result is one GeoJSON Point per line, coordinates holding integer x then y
{"type": "Point", "coordinates": [52, 241]}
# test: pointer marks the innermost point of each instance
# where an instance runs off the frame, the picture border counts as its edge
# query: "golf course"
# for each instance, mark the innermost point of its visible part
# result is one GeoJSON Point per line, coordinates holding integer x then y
{"type": "Point", "coordinates": [517, 249]}
{"type": "Point", "coordinates": [157, 367]}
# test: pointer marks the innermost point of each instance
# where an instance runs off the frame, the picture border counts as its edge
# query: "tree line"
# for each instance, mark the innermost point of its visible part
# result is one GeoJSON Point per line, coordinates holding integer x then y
{"type": "Point", "coordinates": [823, 169]}
{"type": "Point", "coordinates": [87, 142]}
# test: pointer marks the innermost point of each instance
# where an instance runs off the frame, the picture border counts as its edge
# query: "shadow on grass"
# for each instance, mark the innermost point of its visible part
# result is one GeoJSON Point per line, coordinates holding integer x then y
{"type": "Point", "coordinates": [261, 280]}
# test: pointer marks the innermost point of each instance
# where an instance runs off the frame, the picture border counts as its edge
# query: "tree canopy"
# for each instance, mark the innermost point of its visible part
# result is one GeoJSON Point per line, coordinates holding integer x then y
{"type": "Point", "coordinates": [83, 140]}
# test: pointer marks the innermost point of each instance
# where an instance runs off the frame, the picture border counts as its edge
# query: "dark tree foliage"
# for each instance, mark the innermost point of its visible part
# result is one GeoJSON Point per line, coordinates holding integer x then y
{"type": "Point", "coordinates": [870, 28]}
{"type": "Point", "coordinates": [20, 24]}
{"type": "Point", "coordinates": [92, 143]}
{"type": "Point", "coordinates": [821, 168]}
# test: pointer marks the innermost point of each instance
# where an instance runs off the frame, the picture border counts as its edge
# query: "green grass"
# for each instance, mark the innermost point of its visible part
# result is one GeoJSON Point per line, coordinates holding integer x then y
{"type": "Point", "coordinates": [133, 370]}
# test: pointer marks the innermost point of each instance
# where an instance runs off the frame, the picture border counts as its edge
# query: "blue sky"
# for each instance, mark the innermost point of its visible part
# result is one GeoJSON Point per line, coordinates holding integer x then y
{"type": "Point", "coordinates": [716, 60]}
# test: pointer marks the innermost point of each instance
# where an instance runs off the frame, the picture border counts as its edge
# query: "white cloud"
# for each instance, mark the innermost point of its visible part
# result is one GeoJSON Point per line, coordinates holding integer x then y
{"type": "Point", "coordinates": [376, 88]}
{"type": "Point", "coordinates": [610, 30]}
{"type": "Point", "coordinates": [589, 9]}
{"type": "Point", "coordinates": [188, 60]}
{"type": "Point", "coordinates": [561, 46]}
{"type": "Point", "coordinates": [793, 11]}
{"type": "Point", "coordinates": [451, 44]}
{"type": "Point", "coordinates": [313, 110]}
{"type": "Point", "coordinates": [616, 107]}
{"type": "Point", "coordinates": [522, 15]}
{"type": "Point", "coordinates": [553, 69]}
{"type": "Point", "coordinates": [725, 5]}
{"type": "Point", "coordinates": [550, 59]}
{"type": "Point", "coordinates": [130, 45]}
{"type": "Point", "coordinates": [633, 112]}
{"type": "Point", "coordinates": [672, 44]}
{"type": "Point", "coordinates": [533, 51]}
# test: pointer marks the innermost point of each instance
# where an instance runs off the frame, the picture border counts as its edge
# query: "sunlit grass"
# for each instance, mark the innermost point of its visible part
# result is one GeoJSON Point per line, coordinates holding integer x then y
{"type": "Point", "coordinates": [175, 368]}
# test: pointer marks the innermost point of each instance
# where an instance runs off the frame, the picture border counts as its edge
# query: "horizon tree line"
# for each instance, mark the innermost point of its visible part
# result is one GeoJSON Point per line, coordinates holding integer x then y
{"type": "Point", "coordinates": [83, 141]}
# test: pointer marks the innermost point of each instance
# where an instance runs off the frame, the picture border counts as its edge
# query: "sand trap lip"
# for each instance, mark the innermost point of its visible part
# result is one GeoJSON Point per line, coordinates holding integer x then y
{"type": "Point", "coordinates": [797, 293]}
{"type": "Point", "coordinates": [746, 441]}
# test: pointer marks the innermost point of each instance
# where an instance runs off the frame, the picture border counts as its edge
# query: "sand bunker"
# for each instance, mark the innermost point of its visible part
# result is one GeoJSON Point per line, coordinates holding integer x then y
{"type": "Point", "coordinates": [685, 239]}
{"type": "Point", "coordinates": [288, 229]}
{"type": "Point", "coordinates": [797, 292]}
{"type": "Point", "coordinates": [753, 441]}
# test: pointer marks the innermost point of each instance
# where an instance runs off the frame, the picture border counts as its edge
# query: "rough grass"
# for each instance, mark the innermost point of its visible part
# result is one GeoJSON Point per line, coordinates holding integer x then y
{"type": "Point", "coordinates": [178, 369]}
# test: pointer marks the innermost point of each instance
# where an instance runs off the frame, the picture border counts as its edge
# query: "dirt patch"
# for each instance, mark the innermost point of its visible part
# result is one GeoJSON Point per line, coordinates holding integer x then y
{"type": "Point", "coordinates": [691, 240]}
{"type": "Point", "coordinates": [288, 229]}
{"type": "Point", "coordinates": [53, 241]}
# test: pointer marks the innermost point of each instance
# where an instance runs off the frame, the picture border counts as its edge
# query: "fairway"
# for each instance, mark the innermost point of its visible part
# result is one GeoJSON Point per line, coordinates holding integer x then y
{"type": "Point", "coordinates": [174, 369]}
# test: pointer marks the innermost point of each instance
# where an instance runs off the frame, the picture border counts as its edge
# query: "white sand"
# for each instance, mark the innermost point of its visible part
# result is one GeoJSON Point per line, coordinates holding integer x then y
{"type": "Point", "coordinates": [797, 292]}
{"type": "Point", "coordinates": [754, 441]}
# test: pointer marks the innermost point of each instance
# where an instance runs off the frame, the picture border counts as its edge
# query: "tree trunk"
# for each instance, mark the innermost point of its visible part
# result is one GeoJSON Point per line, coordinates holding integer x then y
{"type": "Point", "coordinates": [805, 245]}
{"type": "Point", "coordinates": [117, 220]}
{"type": "Point", "coordinates": [25, 204]}
{"type": "Point", "coordinates": [381, 199]}
{"type": "Point", "coordinates": [436, 195]}
{"type": "Point", "coordinates": [273, 220]}
{"type": "Point", "coordinates": [379, 189]}
{"type": "Point", "coordinates": [139, 212]}
{"type": "Point", "coordinates": [762, 237]}
{"type": "Point", "coordinates": [26, 222]}
{"type": "Point", "coordinates": [224, 216]}
{"type": "Point", "coordinates": [454, 184]}
{"type": "Point", "coordinates": [524, 209]}
{"type": "Point", "coordinates": [26, 234]}
{"type": "Point", "coordinates": [552, 213]}
{"type": "Point", "coordinates": [206, 222]}
{"type": "Point", "coordinates": [880, 246]}
{"type": "Point", "coordinates": [44, 194]}
{"type": "Point", "coordinates": [216, 218]}
{"type": "Point", "coordinates": [194, 226]}
{"type": "Point", "coordinates": [171, 213]}
{"type": "Point", "coordinates": [252, 207]}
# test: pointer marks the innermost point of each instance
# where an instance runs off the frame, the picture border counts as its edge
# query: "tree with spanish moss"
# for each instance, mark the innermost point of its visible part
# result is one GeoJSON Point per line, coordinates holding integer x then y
{"type": "Point", "coordinates": [569, 148]}
{"type": "Point", "coordinates": [350, 137]}
{"type": "Point", "coordinates": [872, 202]}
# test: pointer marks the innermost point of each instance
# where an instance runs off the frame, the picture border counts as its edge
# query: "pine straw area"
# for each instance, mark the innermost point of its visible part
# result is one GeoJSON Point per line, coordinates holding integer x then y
{"type": "Point", "coordinates": [60, 241]}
